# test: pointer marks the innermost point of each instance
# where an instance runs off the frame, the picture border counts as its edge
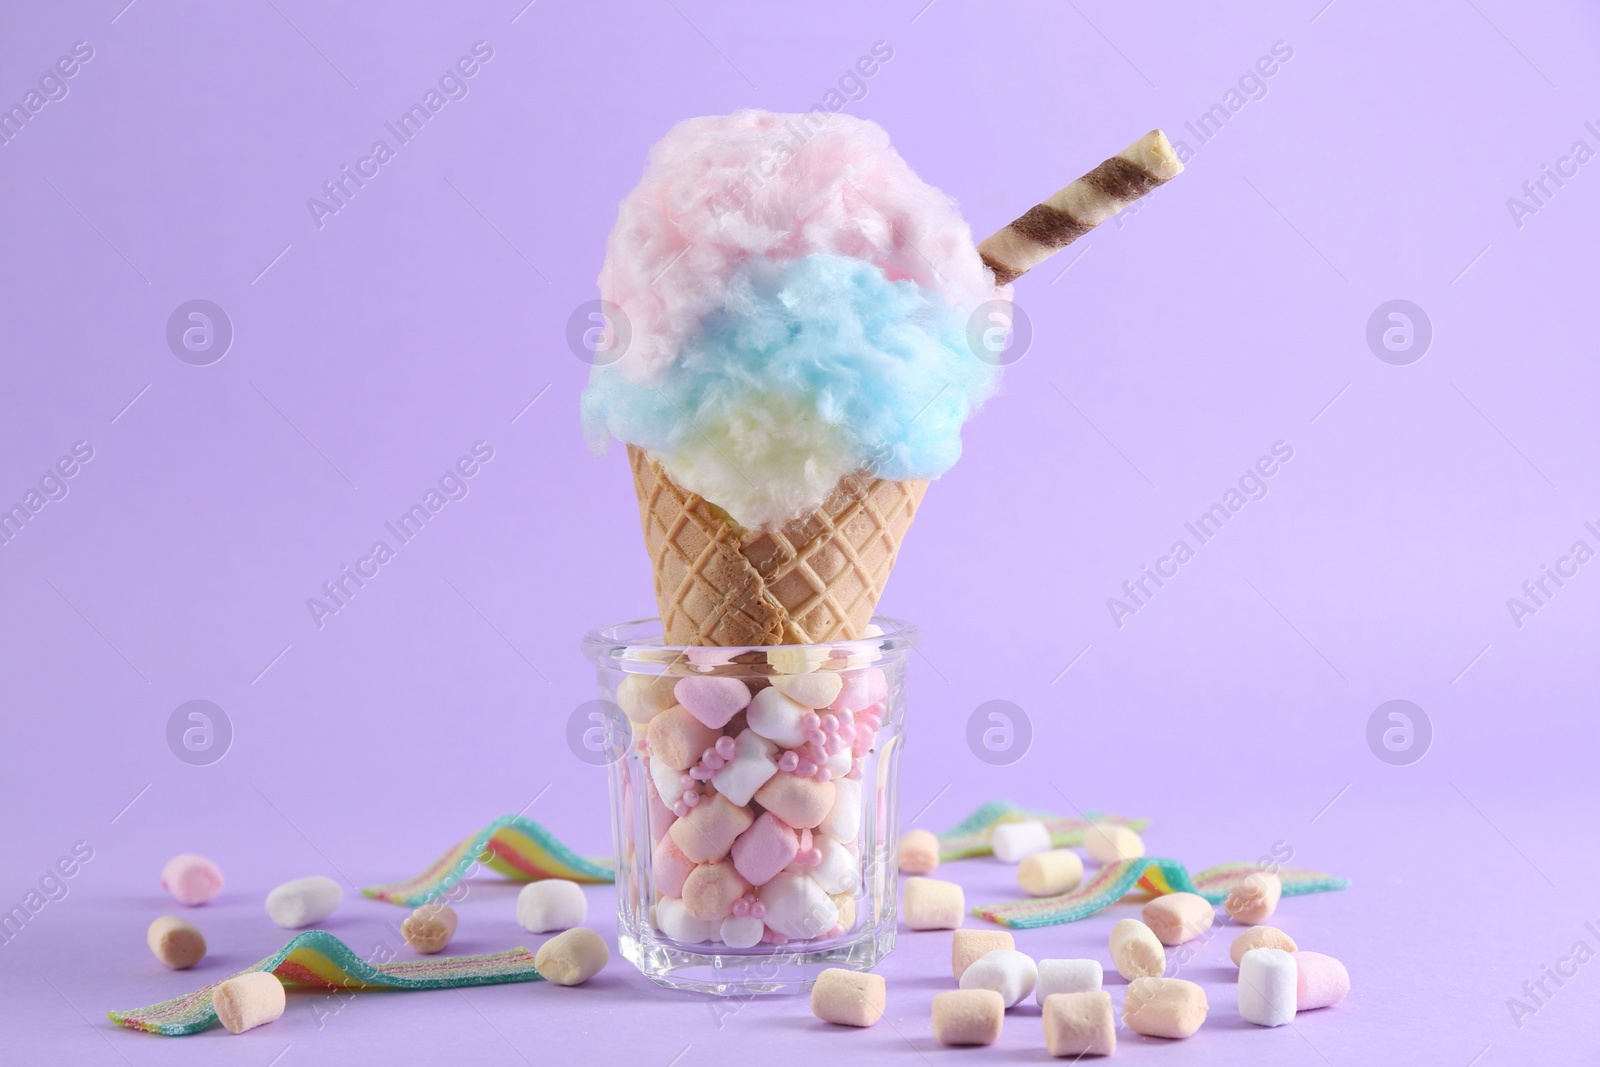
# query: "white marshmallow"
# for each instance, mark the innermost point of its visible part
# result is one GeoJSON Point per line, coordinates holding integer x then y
{"type": "Point", "coordinates": [1067, 976]}
{"type": "Point", "coordinates": [670, 784]}
{"type": "Point", "coordinates": [304, 901]}
{"type": "Point", "coordinates": [797, 906]}
{"type": "Point", "coordinates": [1008, 972]}
{"type": "Point", "coordinates": [551, 904]}
{"type": "Point", "coordinates": [843, 821]}
{"type": "Point", "coordinates": [1268, 993]}
{"type": "Point", "coordinates": [840, 869]}
{"type": "Point", "coordinates": [752, 764]}
{"type": "Point", "coordinates": [673, 920]}
{"type": "Point", "coordinates": [777, 718]}
{"type": "Point", "coordinates": [742, 931]}
{"type": "Point", "coordinates": [1014, 840]}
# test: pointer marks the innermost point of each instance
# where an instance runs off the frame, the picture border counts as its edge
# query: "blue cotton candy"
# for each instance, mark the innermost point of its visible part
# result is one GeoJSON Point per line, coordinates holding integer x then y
{"type": "Point", "coordinates": [812, 369]}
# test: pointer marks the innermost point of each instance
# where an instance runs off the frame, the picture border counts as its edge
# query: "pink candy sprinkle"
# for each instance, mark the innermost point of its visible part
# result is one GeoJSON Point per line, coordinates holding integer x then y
{"type": "Point", "coordinates": [810, 721]}
{"type": "Point", "coordinates": [758, 910]}
{"type": "Point", "coordinates": [741, 907]}
{"type": "Point", "coordinates": [690, 797]}
{"type": "Point", "coordinates": [788, 761]}
{"type": "Point", "coordinates": [824, 775]}
{"type": "Point", "coordinates": [830, 724]}
{"type": "Point", "coordinates": [726, 747]}
{"type": "Point", "coordinates": [769, 936]}
{"type": "Point", "coordinates": [805, 768]}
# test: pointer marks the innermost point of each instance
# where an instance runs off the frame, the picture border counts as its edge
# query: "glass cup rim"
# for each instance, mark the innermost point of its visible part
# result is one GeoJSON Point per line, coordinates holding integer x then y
{"type": "Point", "coordinates": [608, 647]}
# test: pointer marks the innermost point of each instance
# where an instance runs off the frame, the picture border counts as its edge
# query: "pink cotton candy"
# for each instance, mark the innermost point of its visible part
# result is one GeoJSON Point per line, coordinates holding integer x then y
{"type": "Point", "coordinates": [721, 189]}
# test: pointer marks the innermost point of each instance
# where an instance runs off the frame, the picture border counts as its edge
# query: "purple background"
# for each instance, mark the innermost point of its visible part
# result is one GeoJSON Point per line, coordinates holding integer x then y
{"type": "Point", "coordinates": [1227, 314]}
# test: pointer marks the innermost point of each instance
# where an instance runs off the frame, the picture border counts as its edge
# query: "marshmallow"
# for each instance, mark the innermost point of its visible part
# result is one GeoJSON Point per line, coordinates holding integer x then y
{"type": "Point", "coordinates": [843, 821]}
{"type": "Point", "coordinates": [848, 998]}
{"type": "Point", "coordinates": [551, 904]}
{"type": "Point", "coordinates": [713, 700]}
{"type": "Point", "coordinates": [816, 690]}
{"type": "Point", "coordinates": [671, 783]}
{"type": "Point", "coordinates": [644, 696]}
{"type": "Point", "coordinates": [572, 958]}
{"type": "Point", "coordinates": [1008, 972]}
{"type": "Point", "coordinates": [245, 1001]}
{"type": "Point", "coordinates": [741, 931]}
{"type": "Point", "coordinates": [191, 879]}
{"type": "Point", "coordinates": [919, 852]}
{"type": "Point", "coordinates": [303, 901]}
{"type": "Point", "coordinates": [754, 762]}
{"type": "Point", "coordinates": [839, 869]}
{"type": "Point", "coordinates": [968, 1017]}
{"type": "Point", "coordinates": [1259, 937]}
{"type": "Point", "coordinates": [778, 718]}
{"type": "Point", "coordinates": [669, 867]}
{"type": "Point", "coordinates": [176, 943]}
{"type": "Point", "coordinates": [1079, 1024]}
{"type": "Point", "coordinates": [968, 945]}
{"type": "Point", "coordinates": [798, 907]}
{"type": "Point", "coordinates": [711, 889]}
{"type": "Point", "coordinates": [1136, 952]}
{"type": "Point", "coordinates": [1164, 1007]}
{"type": "Point", "coordinates": [1067, 976]}
{"type": "Point", "coordinates": [660, 814]}
{"type": "Point", "coordinates": [1321, 981]}
{"type": "Point", "coordinates": [800, 802]}
{"type": "Point", "coordinates": [797, 659]}
{"type": "Point", "coordinates": [1014, 840]}
{"type": "Point", "coordinates": [1109, 842]}
{"type": "Point", "coordinates": [766, 848]}
{"type": "Point", "coordinates": [931, 904]}
{"type": "Point", "coordinates": [675, 922]}
{"type": "Point", "coordinates": [677, 739]}
{"type": "Point", "coordinates": [861, 690]}
{"type": "Point", "coordinates": [846, 903]}
{"type": "Point", "coordinates": [1254, 900]}
{"type": "Point", "coordinates": [709, 830]}
{"type": "Point", "coordinates": [1267, 981]}
{"type": "Point", "coordinates": [1044, 874]}
{"type": "Point", "coordinates": [1178, 917]}
{"type": "Point", "coordinates": [429, 928]}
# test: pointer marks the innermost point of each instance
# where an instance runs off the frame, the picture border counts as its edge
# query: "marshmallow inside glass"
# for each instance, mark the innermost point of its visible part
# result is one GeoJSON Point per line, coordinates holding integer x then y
{"type": "Point", "coordinates": [795, 329]}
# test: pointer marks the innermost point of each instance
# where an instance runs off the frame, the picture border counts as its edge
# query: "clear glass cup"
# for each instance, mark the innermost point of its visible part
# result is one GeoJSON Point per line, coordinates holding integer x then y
{"type": "Point", "coordinates": [721, 888]}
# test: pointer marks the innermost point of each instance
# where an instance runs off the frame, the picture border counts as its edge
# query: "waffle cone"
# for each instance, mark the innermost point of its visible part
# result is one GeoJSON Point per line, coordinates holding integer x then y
{"type": "Point", "coordinates": [814, 579]}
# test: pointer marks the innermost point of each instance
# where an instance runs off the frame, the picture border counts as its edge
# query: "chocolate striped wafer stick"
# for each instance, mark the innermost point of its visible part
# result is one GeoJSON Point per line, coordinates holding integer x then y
{"type": "Point", "coordinates": [1047, 228]}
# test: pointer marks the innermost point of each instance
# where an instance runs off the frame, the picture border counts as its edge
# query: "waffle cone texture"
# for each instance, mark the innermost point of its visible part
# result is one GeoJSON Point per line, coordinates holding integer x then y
{"type": "Point", "coordinates": [814, 579]}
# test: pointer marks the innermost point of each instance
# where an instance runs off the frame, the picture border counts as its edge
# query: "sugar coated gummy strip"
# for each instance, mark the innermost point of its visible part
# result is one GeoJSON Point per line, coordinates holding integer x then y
{"type": "Point", "coordinates": [1153, 875]}
{"type": "Point", "coordinates": [512, 845]}
{"type": "Point", "coordinates": [1046, 228]}
{"type": "Point", "coordinates": [973, 836]}
{"type": "Point", "coordinates": [318, 959]}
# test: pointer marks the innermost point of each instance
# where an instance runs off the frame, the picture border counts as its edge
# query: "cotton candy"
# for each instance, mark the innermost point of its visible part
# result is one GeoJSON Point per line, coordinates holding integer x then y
{"type": "Point", "coordinates": [797, 305]}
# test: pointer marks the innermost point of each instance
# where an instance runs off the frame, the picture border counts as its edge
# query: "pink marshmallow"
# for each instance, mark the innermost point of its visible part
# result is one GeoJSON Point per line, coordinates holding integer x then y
{"type": "Point", "coordinates": [765, 849]}
{"type": "Point", "coordinates": [711, 699]}
{"type": "Point", "coordinates": [191, 879]}
{"type": "Point", "coordinates": [670, 867]}
{"type": "Point", "coordinates": [862, 689]}
{"type": "Point", "coordinates": [1321, 982]}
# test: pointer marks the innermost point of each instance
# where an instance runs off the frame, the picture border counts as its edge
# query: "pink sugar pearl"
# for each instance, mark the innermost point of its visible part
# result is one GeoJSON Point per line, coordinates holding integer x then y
{"type": "Point", "coordinates": [725, 747]}
{"type": "Point", "coordinates": [788, 761]}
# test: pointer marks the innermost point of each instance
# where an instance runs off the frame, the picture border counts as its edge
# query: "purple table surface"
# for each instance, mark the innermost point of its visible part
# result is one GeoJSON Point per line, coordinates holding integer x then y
{"type": "Point", "coordinates": [1341, 156]}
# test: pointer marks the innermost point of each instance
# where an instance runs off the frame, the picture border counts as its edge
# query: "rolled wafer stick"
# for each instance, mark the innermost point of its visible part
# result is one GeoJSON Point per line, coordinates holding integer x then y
{"type": "Point", "coordinates": [1047, 228]}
